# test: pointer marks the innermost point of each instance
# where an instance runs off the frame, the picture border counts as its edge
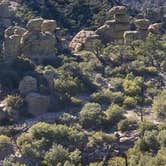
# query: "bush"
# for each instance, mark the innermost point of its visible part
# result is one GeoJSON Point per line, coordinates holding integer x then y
{"type": "Point", "coordinates": [92, 116]}
{"type": "Point", "coordinates": [159, 104]}
{"type": "Point", "coordinates": [114, 114]}
{"type": "Point", "coordinates": [162, 138]}
{"type": "Point", "coordinates": [57, 154]}
{"type": "Point", "coordinates": [129, 102]}
{"type": "Point", "coordinates": [127, 125]}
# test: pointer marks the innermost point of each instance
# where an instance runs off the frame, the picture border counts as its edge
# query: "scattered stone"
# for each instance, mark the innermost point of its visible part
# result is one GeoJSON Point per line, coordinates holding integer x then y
{"type": "Point", "coordinates": [28, 84]}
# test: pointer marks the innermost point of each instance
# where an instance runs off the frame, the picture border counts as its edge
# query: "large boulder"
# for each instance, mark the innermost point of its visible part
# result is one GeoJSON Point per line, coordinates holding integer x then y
{"type": "Point", "coordinates": [49, 26]}
{"type": "Point", "coordinates": [37, 104]}
{"type": "Point", "coordinates": [155, 28]}
{"type": "Point", "coordinates": [17, 30]}
{"type": "Point", "coordinates": [142, 24]}
{"type": "Point", "coordinates": [11, 46]}
{"type": "Point", "coordinates": [130, 36]}
{"type": "Point", "coordinates": [121, 18]}
{"type": "Point", "coordinates": [38, 44]}
{"type": "Point", "coordinates": [28, 84]}
{"type": "Point", "coordinates": [80, 40]}
{"type": "Point", "coordinates": [35, 24]}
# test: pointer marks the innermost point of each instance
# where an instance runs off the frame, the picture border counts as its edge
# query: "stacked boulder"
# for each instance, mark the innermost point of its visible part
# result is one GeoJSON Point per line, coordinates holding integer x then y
{"type": "Point", "coordinates": [37, 103]}
{"type": "Point", "coordinates": [141, 32]}
{"type": "Point", "coordinates": [142, 27]}
{"type": "Point", "coordinates": [37, 41]}
{"type": "Point", "coordinates": [113, 30]}
{"type": "Point", "coordinates": [11, 45]}
{"type": "Point", "coordinates": [81, 40]}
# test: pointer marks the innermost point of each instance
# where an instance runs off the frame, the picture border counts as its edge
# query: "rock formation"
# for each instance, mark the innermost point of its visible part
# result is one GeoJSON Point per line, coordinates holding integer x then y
{"type": "Point", "coordinates": [81, 40]}
{"type": "Point", "coordinates": [141, 32]}
{"type": "Point", "coordinates": [36, 42]}
{"type": "Point", "coordinates": [27, 84]}
{"type": "Point", "coordinates": [113, 30]}
{"type": "Point", "coordinates": [37, 103]}
{"type": "Point", "coordinates": [155, 28]}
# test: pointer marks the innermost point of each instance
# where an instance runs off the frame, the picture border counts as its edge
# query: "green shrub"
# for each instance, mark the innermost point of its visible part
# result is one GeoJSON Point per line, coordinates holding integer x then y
{"type": "Point", "coordinates": [114, 114]}
{"type": "Point", "coordinates": [129, 102]}
{"type": "Point", "coordinates": [127, 125]}
{"type": "Point", "coordinates": [92, 116]}
{"type": "Point", "coordinates": [57, 154]}
{"type": "Point", "coordinates": [159, 105]}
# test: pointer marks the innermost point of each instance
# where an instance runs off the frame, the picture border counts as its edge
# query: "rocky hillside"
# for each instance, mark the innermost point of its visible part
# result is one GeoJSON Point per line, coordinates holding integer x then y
{"type": "Point", "coordinates": [82, 83]}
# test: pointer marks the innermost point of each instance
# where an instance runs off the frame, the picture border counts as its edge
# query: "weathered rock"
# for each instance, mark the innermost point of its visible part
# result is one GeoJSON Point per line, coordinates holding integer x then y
{"type": "Point", "coordinates": [11, 30]}
{"type": "Point", "coordinates": [155, 28]}
{"type": "Point", "coordinates": [142, 24]}
{"type": "Point", "coordinates": [38, 44]}
{"type": "Point", "coordinates": [118, 10]}
{"type": "Point", "coordinates": [35, 24]}
{"type": "Point", "coordinates": [80, 40]}
{"type": "Point", "coordinates": [11, 46]}
{"type": "Point", "coordinates": [28, 84]}
{"type": "Point", "coordinates": [130, 36]}
{"type": "Point", "coordinates": [37, 103]}
{"type": "Point", "coordinates": [121, 18]}
{"type": "Point", "coordinates": [49, 26]}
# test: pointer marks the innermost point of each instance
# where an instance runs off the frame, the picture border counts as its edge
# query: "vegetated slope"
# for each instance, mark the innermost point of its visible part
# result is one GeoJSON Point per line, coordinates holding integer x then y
{"type": "Point", "coordinates": [72, 14]}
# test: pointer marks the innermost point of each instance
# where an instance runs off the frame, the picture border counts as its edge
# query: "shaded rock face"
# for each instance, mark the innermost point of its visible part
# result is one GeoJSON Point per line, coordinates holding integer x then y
{"type": "Point", "coordinates": [37, 104]}
{"type": "Point", "coordinates": [36, 42]}
{"type": "Point", "coordinates": [6, 13]}
{"type": "Point", "coordinates": [130, 36]}
{"type": "Point", "coordinates": [81, 40]}
{"type": "Point", "coordinates": [27, 84]}
{"type": "Point", "coordinates": [11, 45]}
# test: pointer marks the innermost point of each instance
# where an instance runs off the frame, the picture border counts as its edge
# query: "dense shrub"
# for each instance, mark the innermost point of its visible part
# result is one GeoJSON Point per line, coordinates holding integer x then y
{"type": "Point", "coordinates": [92, 116]}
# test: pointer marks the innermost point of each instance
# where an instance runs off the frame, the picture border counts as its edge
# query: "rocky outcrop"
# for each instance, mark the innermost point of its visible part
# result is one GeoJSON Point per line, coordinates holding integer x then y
{"type": "Point", "coordinates": [155, 28]}
{"type": "Point", "coordinates": [141, 32]}
{"type": "Point", "coordinates": [27, 84]}
{"type": "Point", "coordinates": [113, 30]}
{"type": "Point", "coordinates": [130, 36]}
{"type": "Point", "coordinates": [11, 45]}
{"type": "Point", "coordinates": [81, 39]}
{"type": "Point", "coordinates": [37, 41]}
{"type": "Point", "coordinates": [142, 27]}
{"type": "Point", "coordinates": [37, 103]}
